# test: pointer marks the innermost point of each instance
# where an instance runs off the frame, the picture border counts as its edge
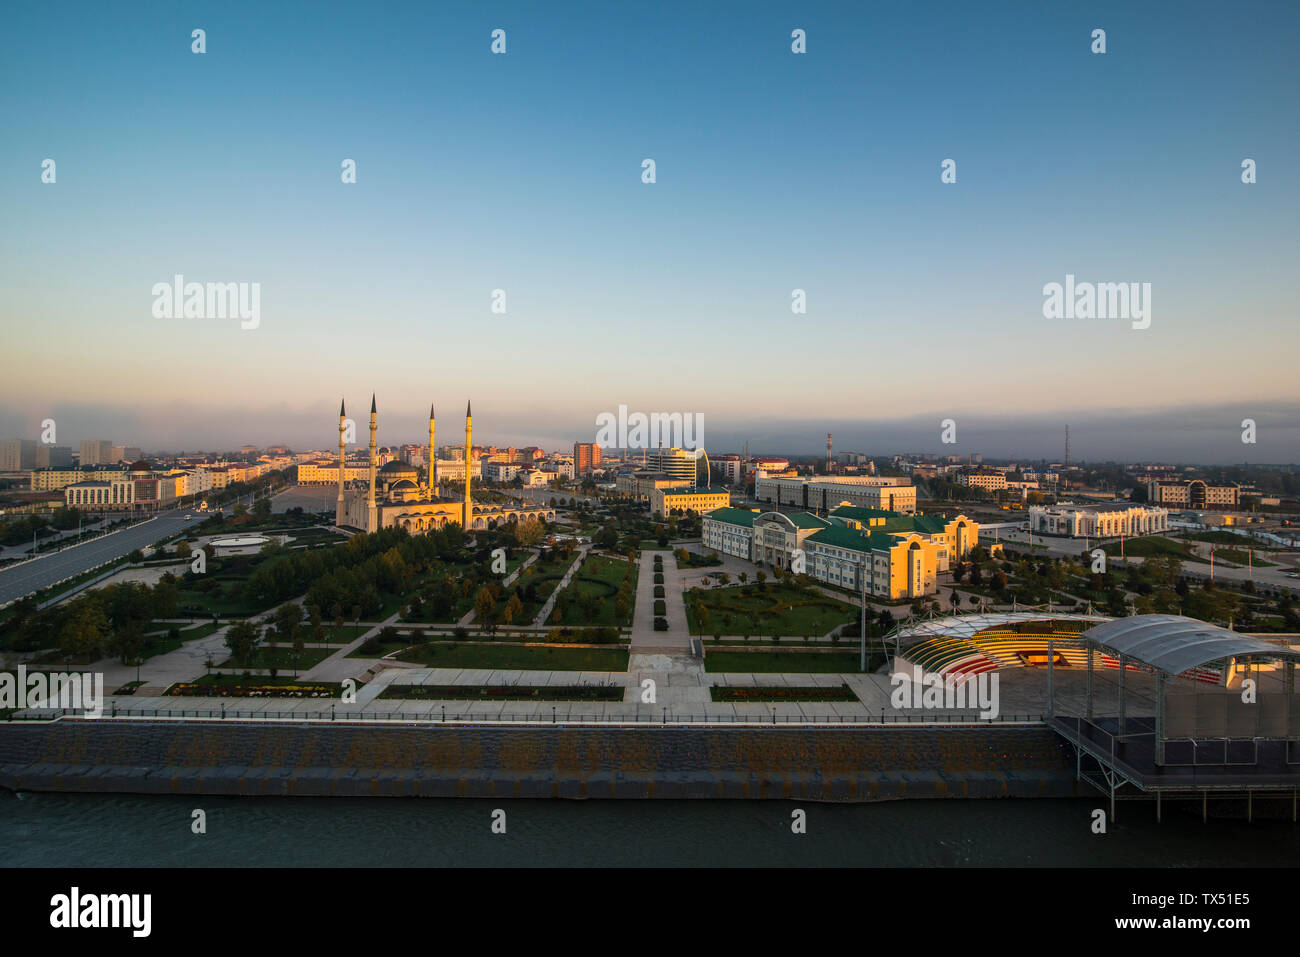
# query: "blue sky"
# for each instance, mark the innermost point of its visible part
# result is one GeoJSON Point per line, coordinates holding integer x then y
{"type": "Point", "coordinates": [775, 171]}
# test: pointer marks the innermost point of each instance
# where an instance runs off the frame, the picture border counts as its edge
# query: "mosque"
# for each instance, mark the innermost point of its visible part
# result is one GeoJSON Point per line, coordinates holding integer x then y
{"type": "Point", "coordinates": [396, 497]}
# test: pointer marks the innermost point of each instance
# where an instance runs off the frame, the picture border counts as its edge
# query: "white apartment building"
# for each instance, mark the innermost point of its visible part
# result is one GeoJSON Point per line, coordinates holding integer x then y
{"type": "Point", "coordinates": [501, 471]}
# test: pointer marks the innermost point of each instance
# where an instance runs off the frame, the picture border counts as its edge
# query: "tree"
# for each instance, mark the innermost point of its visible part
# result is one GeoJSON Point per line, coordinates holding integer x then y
{"type": "Point", "coordinates": [242, 638]}
{"type": "Point", "coordinates": [485, 607]}
{"type": "Point", "coordinates": [84, 628]}
{"type": "Point", "coordinates": [288, 618]}
{"type": "Point", "coordinates": [514, 608]}
{"type": "Point", "coordinates": [128, 642]}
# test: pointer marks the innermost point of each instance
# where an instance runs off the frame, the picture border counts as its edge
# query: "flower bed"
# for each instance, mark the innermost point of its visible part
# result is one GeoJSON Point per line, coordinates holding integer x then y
{"type": "Point", "coordinates": [505, 692]}
{"type": "Point", "coordinates": [189, 690]}
{"type": "Point", "coordinates": [782, 693]}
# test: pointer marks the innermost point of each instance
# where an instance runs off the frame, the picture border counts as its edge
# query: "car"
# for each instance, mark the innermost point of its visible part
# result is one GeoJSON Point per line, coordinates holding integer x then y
{"type": "Point", "coordinates": [188, 517]}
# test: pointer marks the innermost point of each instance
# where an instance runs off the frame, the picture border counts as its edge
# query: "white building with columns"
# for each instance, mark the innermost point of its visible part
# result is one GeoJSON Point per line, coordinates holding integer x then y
{"type": "Point", "coordinates": [1098, 521]}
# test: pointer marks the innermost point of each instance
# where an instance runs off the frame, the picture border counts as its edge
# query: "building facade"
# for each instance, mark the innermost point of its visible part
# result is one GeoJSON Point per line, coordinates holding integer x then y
{"type": "Point", "coordinates": [17, 455]}
{"type": "Point", "coordinates": [896, 556]}
{"type": "Point", "coordinates": [96, 452]}
{"type": "Point", "coordinates": [1195, 494]}
{"type": "Point", "coordinates": [1098, 521]}
{"type": "Point", "coordinates": [822, 494]}
{"type": "Point", "coordinates": [688, 498]}
{"type": "Point", "coordinates": [586, 457]}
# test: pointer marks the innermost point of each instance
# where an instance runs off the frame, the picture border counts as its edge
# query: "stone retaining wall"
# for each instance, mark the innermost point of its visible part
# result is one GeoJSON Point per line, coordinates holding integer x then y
{"type": "Point", "coordinates": [307, 760]}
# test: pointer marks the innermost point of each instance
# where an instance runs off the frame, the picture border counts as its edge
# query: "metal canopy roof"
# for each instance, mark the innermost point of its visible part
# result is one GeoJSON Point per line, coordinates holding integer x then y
{"type": "Point", "coordinates": [1173, 644]}
{"type": "Point", "coordinates": [966, 626]}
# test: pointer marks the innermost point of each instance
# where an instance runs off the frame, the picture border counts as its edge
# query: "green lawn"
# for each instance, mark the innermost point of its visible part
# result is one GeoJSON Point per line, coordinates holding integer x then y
{"type": "Point", "coordinates": [598, 577]}
{"type": "Point", "coordinates": [1240, 557]}
{"type": "Point", "coordinates": [335, 636]}
{"type": "Point", "coordinates": [785, 610]}
{"type": "Point", "coordinates": [281, 657]}
{"type": "Point", "coordinates": [1151, 546]}
{"type": "Point", "coordinates": [530, 657]}
{"type": "Point", "coordinates": [783, 662]}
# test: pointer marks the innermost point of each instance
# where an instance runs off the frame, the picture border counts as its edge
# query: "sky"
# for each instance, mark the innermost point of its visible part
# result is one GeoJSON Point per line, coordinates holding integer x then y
{"type": "Point", "coordinates": [775, 171]}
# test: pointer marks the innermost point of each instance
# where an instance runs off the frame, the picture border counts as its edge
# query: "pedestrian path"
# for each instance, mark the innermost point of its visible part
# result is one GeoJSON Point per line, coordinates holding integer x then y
{"type": "Point", "coordinates": [676, 640]}
{"type": "Point", "coordinates": [545, 613]}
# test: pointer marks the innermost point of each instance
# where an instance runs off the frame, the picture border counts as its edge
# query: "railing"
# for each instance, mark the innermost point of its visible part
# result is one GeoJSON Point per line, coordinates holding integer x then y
{"type": "Point", "coordinates": [642, 719]}
{"type": "Point", "coordinates": [1199, 744]}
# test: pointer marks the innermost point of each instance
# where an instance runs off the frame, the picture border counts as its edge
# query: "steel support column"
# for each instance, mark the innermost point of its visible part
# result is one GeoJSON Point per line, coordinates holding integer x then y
{"type": "Point", "coordinates": [1123, 667]}
{"type": "Point", "coordinates": [1160, 719]}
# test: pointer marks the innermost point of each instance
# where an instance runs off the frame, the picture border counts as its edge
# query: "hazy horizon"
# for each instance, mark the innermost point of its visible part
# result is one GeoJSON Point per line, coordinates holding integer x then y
{"type": "Point", "coordinates": [1114, 436]}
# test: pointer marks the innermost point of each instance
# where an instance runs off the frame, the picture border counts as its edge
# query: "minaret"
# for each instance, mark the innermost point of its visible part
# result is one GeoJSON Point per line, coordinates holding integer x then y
{"type": "Point", "coordinates": [371, 515]}
{"type": "Point", "coordinates": [339, 509]}
{"type": "Point", "coordinates": [469, 467]}
{"type": "Point", "coordinates": [433, 459]}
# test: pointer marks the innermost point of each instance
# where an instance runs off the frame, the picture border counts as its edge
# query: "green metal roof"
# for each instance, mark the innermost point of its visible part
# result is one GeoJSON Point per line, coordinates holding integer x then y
{"type": "Point", "coordinates": [732, 516]}
{"type": "Point", "coordinates": [841, 537]}
{"type": "Point", "coordinates": [689, 490]}
{"type": "Point", "coordinates": [862, 514]}
{"type": "Point", "coordinates": [894, 521]}
{"type": "Point", "coordinates": [806, 520]}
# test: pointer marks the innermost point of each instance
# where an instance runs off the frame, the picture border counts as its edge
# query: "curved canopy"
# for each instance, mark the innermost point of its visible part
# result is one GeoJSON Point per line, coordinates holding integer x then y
{"type": "Point", "coordinates": [965, 626]}
{"type": "Point", "coordinates": [1174, 644]}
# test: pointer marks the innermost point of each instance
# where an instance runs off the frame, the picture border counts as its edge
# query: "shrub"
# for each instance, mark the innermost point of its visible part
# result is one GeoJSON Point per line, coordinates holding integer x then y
{"type": "Point", "coordinates": [659, 591]}
{"type": "Point", "coordinates": [661, 624]}
{"type": "Point", "coordinates": [661, 607]}
{"type": "Point", "coordinates": [659, 579]}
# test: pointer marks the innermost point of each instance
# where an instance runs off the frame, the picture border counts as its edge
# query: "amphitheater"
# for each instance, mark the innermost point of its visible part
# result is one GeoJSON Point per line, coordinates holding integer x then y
{"type": "Point", "coordinates": [963, 646]}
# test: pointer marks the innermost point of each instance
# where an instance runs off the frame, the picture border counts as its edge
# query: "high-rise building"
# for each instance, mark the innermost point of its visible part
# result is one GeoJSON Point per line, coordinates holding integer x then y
{"type": "Point", "coordinates": [17, 455]}
{"type": "Point", "coordinates": [53, 456]}
{"type": "Point", "coordinates": [586, 456]}
{"type": "Point", "coordinates": [96, 452]}
{"type": "Point", "coordinates": [690, 465]}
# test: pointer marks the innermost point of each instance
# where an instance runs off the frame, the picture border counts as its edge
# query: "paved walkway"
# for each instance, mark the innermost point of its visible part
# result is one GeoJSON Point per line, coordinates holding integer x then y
{"type": "Point", "coordinates": [545, 613]}
{"type": "Point", "coordinates": [677, 639]}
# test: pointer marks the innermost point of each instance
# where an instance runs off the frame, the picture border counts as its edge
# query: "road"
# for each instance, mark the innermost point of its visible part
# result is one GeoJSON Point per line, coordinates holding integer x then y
{"type": "Point", "coordinates": [20, 580]}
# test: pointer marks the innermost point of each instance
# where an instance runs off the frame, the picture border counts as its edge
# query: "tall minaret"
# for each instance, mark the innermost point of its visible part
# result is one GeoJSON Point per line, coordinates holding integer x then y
{"type": "Point", "coordinates": [339, 509]}
{"type": "Point", "coordinates": [433, 459]}
{"type": "Point", "coordinates": [469, 466]}
{"type": "Point", "coordinates": [371, 515]}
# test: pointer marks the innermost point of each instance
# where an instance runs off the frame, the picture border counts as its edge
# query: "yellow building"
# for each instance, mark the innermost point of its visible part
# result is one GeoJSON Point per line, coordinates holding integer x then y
{"type": "Point", "coordinates": [682, 499]}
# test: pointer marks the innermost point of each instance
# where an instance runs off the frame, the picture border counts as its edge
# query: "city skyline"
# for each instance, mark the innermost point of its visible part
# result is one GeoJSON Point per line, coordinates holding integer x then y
{"type": "Point", "coordinates": [1120, 436]}
{"type": "Point", "coordinates": [225, 167]}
